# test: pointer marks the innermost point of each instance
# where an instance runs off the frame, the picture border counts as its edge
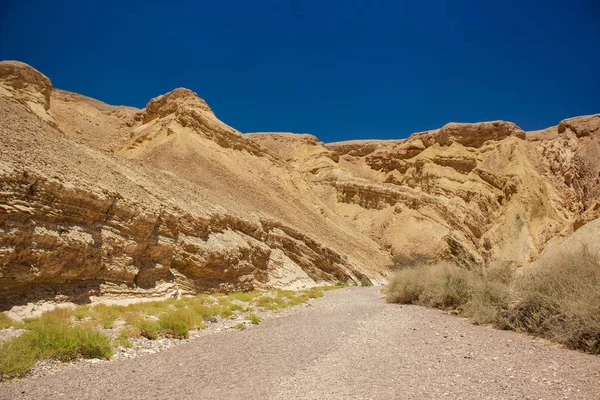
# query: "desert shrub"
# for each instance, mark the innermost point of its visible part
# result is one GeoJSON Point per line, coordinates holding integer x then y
{"type": "Point", "coordinates": [500, 272]}
{"type": "Point", "coordinates": [226, 312]}
{"type": "Point", "coordinates": [173, 325]}
{"type": "Point", "coordinates": [458, 287]}
{"type": "Point", "coordinates": [191, 318]}
{"type": "Point", "coordinates": [365, 281]}
{"type": "Point", "coordinates": [124, 342]}
{"type": "Point", "coordinates": [224, 302]}
{"type": "Point", "coordinates": [255, 319]}
{"type": "Point", "coordinates": [149, 307]}
{"type": "Point", "coordinates": [16, 358]}
{"type": "Point", "coordinates": [560, 299]}
{"type": "Point", "coordinates": [148, 329]}
{"type": "Point", "coordinates": [81, 312]}
{"type": "Point", "coordinates": [206, 311]}
{"type": "Point", "coordinates": [132, 317]}
{"type": "Point", "coordinates": [64, 343]}
{"type": "Point", "coordinates": [337, 285]}
{"type": "Point", "coordinates": [271, 302]}
{"type": "Point", "coordinates": [101, 314]}
{"type": "Point", "coordinates": [59, 313]}
{"type": "Point", "coordinates": [406, 286]}
{"type": "Point", "coordinates": [442, 286]}
{"type": "Point", "coordinates": [315, 293]}
{"type": "Point", "coordinates": [245, 297]}
{"type": "Point", "coordinates": [290, 294]}
{"type": "Point", "coordinates": [5, 321]}
{"type": "Point", "coordinates": [488, 303]}
{"type": "Point", "coordinates": [130, 332]}
{"type": "Point", "coordinates": [51, 337]}
{"type": "Point", "coordinates": [296, 300]}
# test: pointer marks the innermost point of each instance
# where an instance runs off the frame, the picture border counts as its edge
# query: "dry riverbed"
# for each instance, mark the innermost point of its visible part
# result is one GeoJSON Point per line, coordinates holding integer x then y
{"type": "Point", "coordinates": [53, 339]}
{"type": "Point", "coordinates": [349, 344]}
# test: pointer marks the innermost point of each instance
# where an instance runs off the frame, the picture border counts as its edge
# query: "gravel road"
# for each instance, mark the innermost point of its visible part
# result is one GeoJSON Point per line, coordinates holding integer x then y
{"type": "Point", "coordinates": [348, 345]}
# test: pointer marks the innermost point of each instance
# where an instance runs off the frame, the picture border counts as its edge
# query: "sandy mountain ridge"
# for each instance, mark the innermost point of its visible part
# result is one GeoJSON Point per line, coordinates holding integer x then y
{"type": "Point", "coordinates": [473, 193]}
{"type": "Point", "coordinates": [117, 201]}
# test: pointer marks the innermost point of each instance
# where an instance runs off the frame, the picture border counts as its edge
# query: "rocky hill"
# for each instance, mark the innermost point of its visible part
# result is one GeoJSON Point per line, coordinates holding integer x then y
{"type": "Point", "coordinates": [116, 201]}
{"type": "Point", "coordinates": [473, 193]}
{"type": "Point", "coordinates": [104, 200]}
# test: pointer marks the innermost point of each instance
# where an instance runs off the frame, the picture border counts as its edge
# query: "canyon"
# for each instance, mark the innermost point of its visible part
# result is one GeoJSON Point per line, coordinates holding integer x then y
{"type": "Point", "coordinates": [113, 201]}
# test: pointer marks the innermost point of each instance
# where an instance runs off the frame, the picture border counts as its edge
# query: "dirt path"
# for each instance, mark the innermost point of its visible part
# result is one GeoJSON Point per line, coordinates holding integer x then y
{"type": "Point", "coordinates": [349, 344]}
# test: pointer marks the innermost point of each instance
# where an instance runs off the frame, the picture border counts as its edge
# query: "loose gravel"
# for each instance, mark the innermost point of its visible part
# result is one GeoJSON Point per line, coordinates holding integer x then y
{"type": "Point", "coordinates": [349, 344]}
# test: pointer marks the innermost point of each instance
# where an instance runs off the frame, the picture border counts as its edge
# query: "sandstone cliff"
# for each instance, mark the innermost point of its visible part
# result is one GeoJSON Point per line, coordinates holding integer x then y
{"type": "Point", "coordinates": [112, 200]}
{"type": "Point", "coordinates": [101, 200]}
{"type": "Point", "coordinates": [472, 193]}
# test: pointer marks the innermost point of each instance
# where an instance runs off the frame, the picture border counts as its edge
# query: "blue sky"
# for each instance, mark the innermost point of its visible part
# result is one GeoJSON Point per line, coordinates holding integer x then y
{"type": "Point", "coordinates": [337, 69]}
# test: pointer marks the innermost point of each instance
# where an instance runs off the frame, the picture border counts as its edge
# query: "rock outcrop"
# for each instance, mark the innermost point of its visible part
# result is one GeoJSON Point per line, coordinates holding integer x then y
{"type": "Point", "coordinates": [115, 201]}
{"type": "Point", "coordinates": [473, 193]}
{"type": "Point", "coordinates": [162, 200]}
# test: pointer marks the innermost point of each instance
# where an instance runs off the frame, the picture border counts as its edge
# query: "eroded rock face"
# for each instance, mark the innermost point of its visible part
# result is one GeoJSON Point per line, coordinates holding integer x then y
{"type": "Point", "coordinates": [157, 201]}
{"type": "Point", "coordinates": [472, 193]}
{"type": "Point", "coordinates": [117, 246]}
{"type": "Point", "coordinates": [474, 135]}
{"type": "Point", "coordinates": [110, 200]}
{"type": "Point", "coordinates": [173, 102]}
{"type": "Point", "coordinates": [582, 126]}
{"type": "Point", "coordinates": [31, 84]}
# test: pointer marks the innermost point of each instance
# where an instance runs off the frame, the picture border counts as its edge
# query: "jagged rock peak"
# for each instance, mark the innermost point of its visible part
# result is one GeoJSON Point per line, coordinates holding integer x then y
{"type": "Point", "coordinates": [585, 125]}
{"type": "Point", "coordinates": [475, 134]}
{"type": "Point", "coordinates": [173, 102]}
{"type": "Point", "coordinates": [31, 84]}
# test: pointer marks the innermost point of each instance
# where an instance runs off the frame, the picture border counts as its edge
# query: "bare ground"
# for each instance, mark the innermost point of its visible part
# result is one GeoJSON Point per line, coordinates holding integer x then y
{"type": "Point", "coordinates": [349, 344]}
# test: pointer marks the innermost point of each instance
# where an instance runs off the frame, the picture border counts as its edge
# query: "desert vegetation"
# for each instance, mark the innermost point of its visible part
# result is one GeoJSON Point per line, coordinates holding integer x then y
{"type": "Point", "coordinates": [94, 331]}
{"type": "Point", "coordinates": [558, 299]}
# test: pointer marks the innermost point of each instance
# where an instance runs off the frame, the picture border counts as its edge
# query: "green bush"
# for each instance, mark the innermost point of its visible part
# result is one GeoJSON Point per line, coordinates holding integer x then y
{"type": "Point", "coordinates": [245, 297]}
{"type": "Point", "coordinates": [172, 325]}
{"type": "Point", "coordinates": [270, 302]}
{"type": "Point", "coordinates": [241, 326]}
{"type": "Point", "coordinates": [51, 337]}
{"type": "Point", "coordinates": [5, 321]}
{"type": "Point", "coordinates": [124, 342]}
{"type": "Point", "coordinates": [226, 312]}
{"type": "Point", "coordinates": [206, 311]}
{"type": "Point", "coordinates": [148, 329]}
{"type": "Point", "coordinates": [315, 293]}
{"type": "Point", "coordinates": [16, 358]}
{"type": "Point", "coordinates": [255, 319]}
{"type": "Point", "coordinates": [191, 318]}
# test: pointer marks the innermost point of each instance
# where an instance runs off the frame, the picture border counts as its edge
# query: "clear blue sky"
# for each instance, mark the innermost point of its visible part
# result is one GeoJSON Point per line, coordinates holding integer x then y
{"type": "Point", "coordinates": [337, 69]}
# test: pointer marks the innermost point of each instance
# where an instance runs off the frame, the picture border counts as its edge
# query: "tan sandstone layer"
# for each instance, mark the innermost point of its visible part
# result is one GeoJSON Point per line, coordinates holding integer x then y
{"type": "Point", "coordinates": [112, 200]}
{"type": "Point", "coordinates": [473, 193]}
{"type": "Point", "coordinates": [101, 200]}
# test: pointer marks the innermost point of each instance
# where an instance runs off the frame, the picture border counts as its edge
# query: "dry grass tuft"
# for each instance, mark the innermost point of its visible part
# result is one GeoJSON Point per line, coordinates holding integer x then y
{"type": "Point", "coordinates": [559, 300]}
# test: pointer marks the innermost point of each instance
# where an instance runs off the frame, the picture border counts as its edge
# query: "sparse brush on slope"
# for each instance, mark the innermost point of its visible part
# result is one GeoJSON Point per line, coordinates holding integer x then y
{"type": "Point", "coordinates": [559, 300]}
{"type": "Point", "coordinates": [66, 333]}
{"type": "Point", "coordinates": [51, 337]}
